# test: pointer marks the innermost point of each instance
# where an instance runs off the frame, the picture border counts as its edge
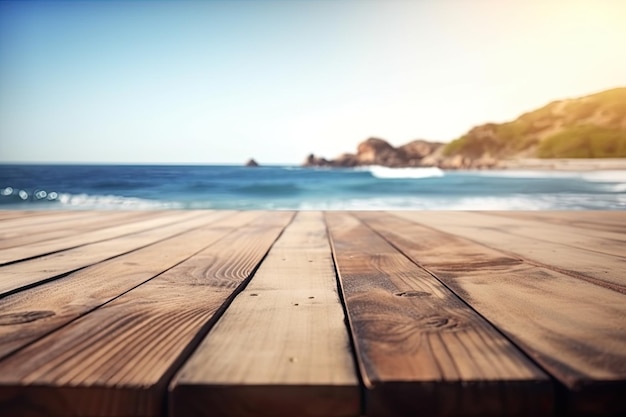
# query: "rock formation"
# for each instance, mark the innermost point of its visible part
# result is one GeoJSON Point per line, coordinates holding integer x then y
{"type": "Point", "coordinates": [593, 126]}
{"type": "Point", "coordinates": [376, 151]}
{"type": "Point", "coordinates": [252, 163]}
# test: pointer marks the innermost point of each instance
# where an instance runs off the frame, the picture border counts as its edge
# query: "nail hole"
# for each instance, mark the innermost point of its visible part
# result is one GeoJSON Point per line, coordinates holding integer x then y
{"type": "Point", "coordinates": [253, 295]}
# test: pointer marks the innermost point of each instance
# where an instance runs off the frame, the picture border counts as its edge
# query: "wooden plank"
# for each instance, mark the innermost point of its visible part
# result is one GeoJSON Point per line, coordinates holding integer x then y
{"type": "Point", "coordinates": [73, 226]}
{"type": "Point", "coordinates": [44, 217]}
{"type": "Point", "coordinates": [588, 240]}
{"type": "Point", "coordinates": [47, 247]}
{"type": "Point", "coordinates": [610, 221]}
{"type": "Point", "coordinates": [573, 329]}
{"type": "Point", "coordinates": [420, 348]}
{"type": "Point", "coordinates": [27, 224]}
{"type": "Point", "coordinates": [29, 315]}
{"type": "Point", "coordinates": [598, 268]}
{"type": "Point", "coordinates": [11, 214]}
{"type": "Point", "coordinates": [27, 227]}
{"type": "Point", "coordinates": [117, 360]}
{"type": "Point", "coordinates": [282, 347]}
{"type": "Point", "coordinates": [567, 221]}
{"type": "Point", "coordinates": [15, 277]}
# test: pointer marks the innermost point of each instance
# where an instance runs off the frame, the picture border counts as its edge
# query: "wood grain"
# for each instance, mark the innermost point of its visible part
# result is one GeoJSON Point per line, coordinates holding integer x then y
{"type": "Point", "coordinates": [11, 214]}
{"type": "Point", "coordinates": [593, 266]}
{"type": "Point", "coordinates": [282, 347]}
{"type": "Point", "coordinates": [29, 315]}
{"type": "Point", "coordinates": [72, 226]}
{"type": "Point", "coordinates": [117, 359]}
{"type": "Point", "coordinates": [42, 218]}
{"type": "Point", "coordinates": [573, 329]}
{"type": "Point", "coordinates": [46, 223]}
{"type": "Point", "coordinates": [610, 221]}
{"type": "Point", "coordinates": [18, 276]}
{"type": "Point", "coordinates": [420, 348]}
{"type": "Point", "coordinates": [609, 243]}
{"type": "Point", "coordinates": [101, 329]}
{"type": "Point", "coordinates": [36, 249]}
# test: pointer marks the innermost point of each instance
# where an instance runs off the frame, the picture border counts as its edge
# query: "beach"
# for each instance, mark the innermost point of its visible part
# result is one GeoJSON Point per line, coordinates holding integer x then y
{"type": "Point", "coordinates": [578, 164]}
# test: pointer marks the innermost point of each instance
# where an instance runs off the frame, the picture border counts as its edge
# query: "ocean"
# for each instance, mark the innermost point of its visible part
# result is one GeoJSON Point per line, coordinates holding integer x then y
{"type": "Point", "coordinates": [128, 187]}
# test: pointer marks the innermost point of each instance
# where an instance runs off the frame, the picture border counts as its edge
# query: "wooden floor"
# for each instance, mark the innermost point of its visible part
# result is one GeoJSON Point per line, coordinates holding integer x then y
{"type": "Point", "coordinates": [224, 313]}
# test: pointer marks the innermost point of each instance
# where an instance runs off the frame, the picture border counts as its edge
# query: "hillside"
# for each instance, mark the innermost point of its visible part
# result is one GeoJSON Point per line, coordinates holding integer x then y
{"type": "Point", "coordinates": [588, 127]}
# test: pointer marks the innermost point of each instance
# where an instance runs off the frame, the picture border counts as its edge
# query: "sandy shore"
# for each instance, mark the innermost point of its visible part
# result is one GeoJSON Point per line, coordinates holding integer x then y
{"type": "Point", "coordinates": [599, 164]}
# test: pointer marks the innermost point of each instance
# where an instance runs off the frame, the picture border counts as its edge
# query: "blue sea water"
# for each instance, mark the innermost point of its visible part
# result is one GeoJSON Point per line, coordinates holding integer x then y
{"type": "Point", "coordinates": [287, 187]}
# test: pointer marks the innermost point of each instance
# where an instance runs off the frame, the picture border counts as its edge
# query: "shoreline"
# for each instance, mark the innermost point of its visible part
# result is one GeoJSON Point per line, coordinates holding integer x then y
{"type": "Point", "coordinates": [573, 164]}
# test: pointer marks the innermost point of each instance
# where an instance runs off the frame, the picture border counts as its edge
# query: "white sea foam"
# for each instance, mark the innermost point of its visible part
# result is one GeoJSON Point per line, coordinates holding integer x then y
{"type": "Point", "coordinates": [616, 188]}
{"type": "Point", "coordinates": [107, 202]}
{"type": "Point", "coordinates": [417, 203]}
{"type": "Point", "coordinates": [590, 176]}
{"type": "Point", "coordinates": [409, 173]}
{"type": "Point", "coordinates": [605, 176]}
{"type": "Point", "coordinates": [523, 174]}
{"type": "Point", "coordinates": [514, 202]}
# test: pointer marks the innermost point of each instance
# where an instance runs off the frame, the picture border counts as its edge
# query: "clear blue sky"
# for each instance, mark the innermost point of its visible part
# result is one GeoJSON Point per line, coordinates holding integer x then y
{"type": "Point", "coordinates": [219, 82]}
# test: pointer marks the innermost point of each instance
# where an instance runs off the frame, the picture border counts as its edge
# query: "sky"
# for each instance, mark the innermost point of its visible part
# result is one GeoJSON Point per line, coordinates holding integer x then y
{"type": "Point", "coordinates": [222, 81]}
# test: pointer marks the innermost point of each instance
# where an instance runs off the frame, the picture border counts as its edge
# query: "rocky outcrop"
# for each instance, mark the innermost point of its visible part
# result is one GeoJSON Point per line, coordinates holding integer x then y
{"type": "Point", "coordinates": [376, 151]}
{"type": "Point", "coordinates": [587, 127]}
{"type": "Point", "coordinates": [252, 163]}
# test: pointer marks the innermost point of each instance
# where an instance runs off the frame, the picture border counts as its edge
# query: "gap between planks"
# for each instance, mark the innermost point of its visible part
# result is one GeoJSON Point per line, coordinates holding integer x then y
{"type": "Point", "coordinates": [420, 348]}
{"type": "Point", "coordinates": [572, 328]}
{"type": "Point", "coordinates": [282, 348]}
{"type": "Point", "coordinates": [598, 268]}
{"type": "Point", "coordinates": [117, 359]}
{"type": "Point", "coordinates": [25, 274]}
{"type": "Point", "coordinates": [56, 230]}
{"type": "Point", "coordinates": [40, 249]}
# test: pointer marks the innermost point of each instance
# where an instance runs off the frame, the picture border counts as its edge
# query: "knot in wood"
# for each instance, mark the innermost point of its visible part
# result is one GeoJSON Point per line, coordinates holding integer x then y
{"type": "Point", "coordinates": [438, 323]}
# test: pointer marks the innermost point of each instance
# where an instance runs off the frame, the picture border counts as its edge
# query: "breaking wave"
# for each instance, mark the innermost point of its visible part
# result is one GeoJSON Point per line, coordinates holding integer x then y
{"type": "Point", "coordinates": [404, 173]}
{"type": "Point", "coordinates": [51, 199]}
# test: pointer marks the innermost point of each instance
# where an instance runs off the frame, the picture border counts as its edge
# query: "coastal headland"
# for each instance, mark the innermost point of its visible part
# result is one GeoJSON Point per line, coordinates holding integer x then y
{"type": "Point", "coordinates": [422, 154]}
{"type": "Point", "coordinates": [585, 133]}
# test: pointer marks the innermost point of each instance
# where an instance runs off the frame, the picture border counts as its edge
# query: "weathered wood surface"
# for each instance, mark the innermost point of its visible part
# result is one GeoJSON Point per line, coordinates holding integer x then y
{"type": "Point", "coordinates": [421, 349]}
{"type": "Point", "coordinates": [63, 300]}
{"type": "Point", "coordinates": [574, 329]}
{"type": "Point", "coordinates": [242, 313]}
{"type": "Point", "coordinates": [282, 347]}
{"type": "Point", "coordinates": [53, 266]}
{"type": "Point", "coordinates": [21, 236]}
{"type": "Point", "coordinates": [39, 249]}
{"type": "Point", "coordinates": [538, 246]}
{"type": "Point", "coordinates": [611, 221]}
{"type": "Point", "coordinates": [134, 341]}
{"type": "Point", "coordinates": [605, 242]}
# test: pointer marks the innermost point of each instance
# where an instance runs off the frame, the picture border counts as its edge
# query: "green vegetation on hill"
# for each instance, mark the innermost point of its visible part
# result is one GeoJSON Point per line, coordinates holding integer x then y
{"type": "Point", "coordinates": [588, 127]}
{"type": "Point", "coordinates": [492, 139]}
{"type": "Point", "coordinates": [585, 142]}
